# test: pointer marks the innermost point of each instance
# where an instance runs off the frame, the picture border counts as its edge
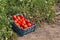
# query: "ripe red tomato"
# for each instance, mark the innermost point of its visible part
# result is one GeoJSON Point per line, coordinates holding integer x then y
{"type": "Point", "coordinates": [18, 18]}
{"type": "Point", "coordinates": [22, 25]}
{"type": "Point", "coordinates": [23, 22]}
{"type": "Point", "coordinates": [29, 24]}
{"type": "Point", "coordinates": [19, 22]}
{"type": "Point", "coordinates": [14, 17]}
{"type": "Point", "coordinates": [25, 26]}
{"type": "Point", "coordinates": [25, 19]}
{"type": "Point", "coordinates": [21, 16]}
{"type": "Point", "coordinates": [28, 21]}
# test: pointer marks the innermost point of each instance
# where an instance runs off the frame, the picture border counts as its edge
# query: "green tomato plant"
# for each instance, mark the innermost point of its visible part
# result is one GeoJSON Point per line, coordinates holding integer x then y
{"type": "Point", "coordinates": [39, 10]}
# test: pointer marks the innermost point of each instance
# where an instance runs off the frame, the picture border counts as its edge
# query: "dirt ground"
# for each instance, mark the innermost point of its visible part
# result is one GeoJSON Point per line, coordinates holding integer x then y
{"type": "Point", "coordinates": [45, 32]}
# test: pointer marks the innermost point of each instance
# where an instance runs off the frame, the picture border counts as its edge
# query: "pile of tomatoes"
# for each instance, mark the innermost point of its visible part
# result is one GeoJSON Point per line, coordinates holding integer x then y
{"type": "Point", "coordinates": [21, 21]}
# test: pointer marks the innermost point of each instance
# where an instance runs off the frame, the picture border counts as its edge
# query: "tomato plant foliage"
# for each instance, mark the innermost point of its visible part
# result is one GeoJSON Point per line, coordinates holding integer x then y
{"type": "Point", "coordinates": [35, 9]}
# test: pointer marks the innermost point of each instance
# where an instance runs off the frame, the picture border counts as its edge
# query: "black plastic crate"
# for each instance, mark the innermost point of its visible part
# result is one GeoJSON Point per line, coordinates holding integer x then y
{"type": "Point", "coordinates": [22, 32]}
